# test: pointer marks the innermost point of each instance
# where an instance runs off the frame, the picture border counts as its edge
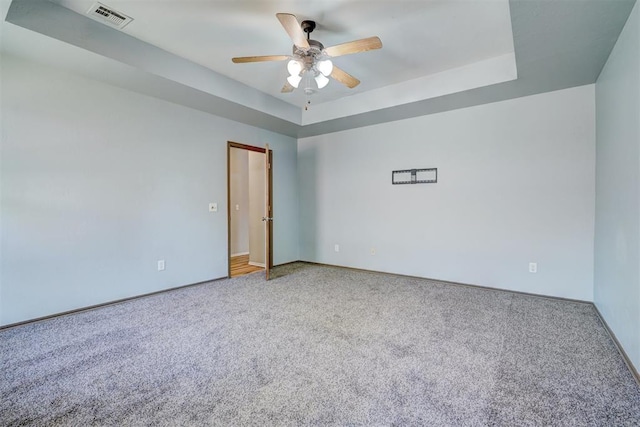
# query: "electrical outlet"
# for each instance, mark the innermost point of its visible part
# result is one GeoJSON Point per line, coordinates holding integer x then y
{"type": "Point", "coordinates": [373, 251]}
{"type": "Point", "coordinates": [336, 248]}
{"type": "Point", "coordinates": [161, 265]}
{"type": "Point", "coordinates": [533, 267]}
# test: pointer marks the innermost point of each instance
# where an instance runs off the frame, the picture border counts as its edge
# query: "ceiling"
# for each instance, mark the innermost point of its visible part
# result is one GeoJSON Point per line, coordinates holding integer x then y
{"type": "Point", "coordinates": [436, 56]}
{"type": "Point", "coordinates": [419, 37]}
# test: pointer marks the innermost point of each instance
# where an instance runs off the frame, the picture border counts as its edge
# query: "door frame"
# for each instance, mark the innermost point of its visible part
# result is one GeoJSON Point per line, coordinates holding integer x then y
{"type": "Point", "coordinates": [230, 145]}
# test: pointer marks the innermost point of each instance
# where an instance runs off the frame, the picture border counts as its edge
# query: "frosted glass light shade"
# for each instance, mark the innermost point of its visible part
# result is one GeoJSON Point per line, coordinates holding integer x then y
{"type": "Point", "coordinates": [325, 67]}
{"type": "Point", "coordinates": [294, 67]}
{"type": "Point", "coordinates": [321, 80]}
{"type": "Point", "coordinates": [294, 80]}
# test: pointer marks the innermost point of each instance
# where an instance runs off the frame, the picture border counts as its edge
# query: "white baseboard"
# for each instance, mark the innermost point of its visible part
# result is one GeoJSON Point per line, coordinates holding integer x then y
{"type": "Point", "coordinates": [257, 264]}
{"type": "Point", "coordinates": [240, 253]}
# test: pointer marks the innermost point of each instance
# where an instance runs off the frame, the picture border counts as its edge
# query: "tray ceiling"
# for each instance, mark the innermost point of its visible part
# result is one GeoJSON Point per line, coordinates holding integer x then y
{"type": "Point", "coordinates": [437, 55]}
{"type": "Point", "coordinates": [419, 38]}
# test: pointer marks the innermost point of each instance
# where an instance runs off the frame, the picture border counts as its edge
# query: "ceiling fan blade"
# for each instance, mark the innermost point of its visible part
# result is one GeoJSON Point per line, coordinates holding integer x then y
{"type": "Point", "coordinates": [355, 46]}
{"type": "Point", "coordinates": [244, 59]}
{"type": "Point", "coordinates": [292, 27]}
{"type": "Point", "coordinates": [287, 88]}
{"type": "Point", "coordinates": [344, 77]}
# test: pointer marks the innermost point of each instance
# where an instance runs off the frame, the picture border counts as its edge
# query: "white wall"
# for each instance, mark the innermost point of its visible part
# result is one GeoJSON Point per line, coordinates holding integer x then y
{"type": "Point", "coordinates": [256, 207]}
{"type": "Point", "coordinates": [617, 236]}
{"type": "Point", "coordinates": [515, 184]}
{"type": "Point", "coordinates": [239, 188]}
{"type": "Point", "coordinates": [98, 183]}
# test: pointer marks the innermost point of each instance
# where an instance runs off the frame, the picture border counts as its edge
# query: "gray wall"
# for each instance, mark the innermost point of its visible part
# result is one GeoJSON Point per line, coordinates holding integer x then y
{"type": "Point", "coordinates": [617, 235]}
{"type": "Point", "coordinates": [515, 185]}
{"type": "Point", "coordinates": [98, 183]}
{"type": "Point", "coordinates": [239, 188]}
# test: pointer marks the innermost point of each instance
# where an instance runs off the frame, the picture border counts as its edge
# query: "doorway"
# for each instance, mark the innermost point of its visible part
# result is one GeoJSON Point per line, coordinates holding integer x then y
{"type": "Point", "coordinates": [249, 207]}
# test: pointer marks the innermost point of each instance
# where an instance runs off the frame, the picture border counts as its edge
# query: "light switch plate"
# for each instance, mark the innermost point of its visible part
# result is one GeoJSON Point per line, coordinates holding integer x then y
{"type": "Point", "coordinates": [213, 207]}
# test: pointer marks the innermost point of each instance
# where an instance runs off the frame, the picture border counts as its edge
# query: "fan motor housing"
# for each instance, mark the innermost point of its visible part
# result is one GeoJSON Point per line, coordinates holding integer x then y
{"type": "Point", "coordinates": [315, 49]}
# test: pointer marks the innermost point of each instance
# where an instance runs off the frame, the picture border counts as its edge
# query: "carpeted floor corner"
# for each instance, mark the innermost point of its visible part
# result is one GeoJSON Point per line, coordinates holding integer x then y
{"type": "Point", "coordinates": [319, 346]}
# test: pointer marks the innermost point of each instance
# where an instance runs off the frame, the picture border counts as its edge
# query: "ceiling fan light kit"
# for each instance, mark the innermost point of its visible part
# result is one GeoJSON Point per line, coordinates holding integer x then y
{"type": "Point", "coordinates": [294, 67]}
{"type": "Point", "coordinates": [325, 67]}
{"type": "Point", "coordinates": [294, 80]}
{"type": "Point", "coordinates": [321, 80]}
{"type": "Point", "coordinates": [311, 58]}
{"type": "Point", "coordinates": [320, 70]}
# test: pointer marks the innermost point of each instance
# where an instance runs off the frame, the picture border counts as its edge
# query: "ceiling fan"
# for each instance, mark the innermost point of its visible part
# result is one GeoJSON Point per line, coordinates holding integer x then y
{"type": "Point", "coordinates": [311, 58]}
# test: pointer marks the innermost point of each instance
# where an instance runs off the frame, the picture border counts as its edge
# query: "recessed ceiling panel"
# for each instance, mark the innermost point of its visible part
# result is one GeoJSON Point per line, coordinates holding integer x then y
{"type": "Point", "coordinates": [419, 38]}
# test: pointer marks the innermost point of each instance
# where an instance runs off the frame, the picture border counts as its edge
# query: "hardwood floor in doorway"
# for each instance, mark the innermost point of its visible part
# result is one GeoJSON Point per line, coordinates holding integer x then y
{"type": "Point", "coordinates": [240, 266]}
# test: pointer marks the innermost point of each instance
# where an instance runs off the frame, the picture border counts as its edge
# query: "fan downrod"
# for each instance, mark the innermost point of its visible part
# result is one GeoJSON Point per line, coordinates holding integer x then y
{"type": "Point", "coordinates": [308, 27]}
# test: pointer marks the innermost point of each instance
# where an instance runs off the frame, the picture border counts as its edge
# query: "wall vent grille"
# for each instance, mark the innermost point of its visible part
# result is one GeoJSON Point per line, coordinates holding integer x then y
{"type": "Point", "coordinates": [112, 17]}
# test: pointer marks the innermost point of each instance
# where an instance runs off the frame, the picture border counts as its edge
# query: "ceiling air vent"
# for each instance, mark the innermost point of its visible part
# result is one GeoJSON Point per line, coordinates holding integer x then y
{"type": "Point", "coordinates": [106, 14]}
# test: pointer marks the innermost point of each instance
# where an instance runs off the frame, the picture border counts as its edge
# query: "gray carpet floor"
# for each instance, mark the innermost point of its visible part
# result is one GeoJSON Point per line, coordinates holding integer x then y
{"type": "Point", "coordinates": [319, 346]}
